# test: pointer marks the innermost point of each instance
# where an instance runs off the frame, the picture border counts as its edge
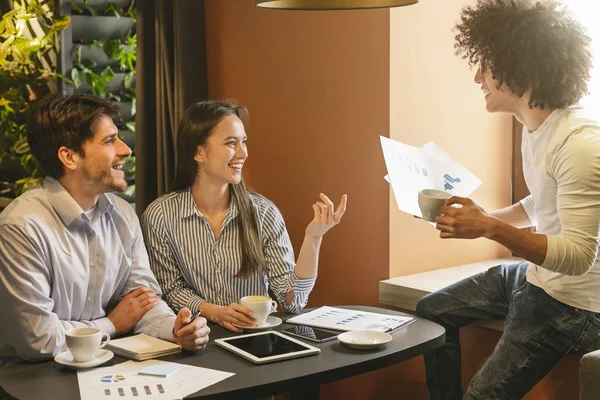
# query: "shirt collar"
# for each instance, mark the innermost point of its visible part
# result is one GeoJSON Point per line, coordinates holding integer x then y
{"type": "Point", "coordinates": [66, 207]}
{"type": "Point", "coordinates": [189, 208]}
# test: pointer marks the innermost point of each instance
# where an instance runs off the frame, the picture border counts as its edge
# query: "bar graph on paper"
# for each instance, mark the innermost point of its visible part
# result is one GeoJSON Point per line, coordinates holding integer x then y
{"type": "Point", "coordinates": [127, 386]}
{"type": "Point", "coordinates": [411, 169]}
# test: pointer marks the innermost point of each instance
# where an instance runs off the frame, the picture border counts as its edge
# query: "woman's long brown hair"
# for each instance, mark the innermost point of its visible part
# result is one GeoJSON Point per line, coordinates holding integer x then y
{"type": "Point", "coordinates": [194, 130]}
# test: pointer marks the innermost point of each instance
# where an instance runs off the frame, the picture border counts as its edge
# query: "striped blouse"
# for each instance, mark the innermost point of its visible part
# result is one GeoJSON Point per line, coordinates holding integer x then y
{"type": "Point", "coordinates": [192, 267]}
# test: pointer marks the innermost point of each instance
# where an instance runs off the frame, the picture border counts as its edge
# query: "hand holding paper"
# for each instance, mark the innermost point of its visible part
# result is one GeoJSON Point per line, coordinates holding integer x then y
{"type": "Point", "coordinates": [412, 169]}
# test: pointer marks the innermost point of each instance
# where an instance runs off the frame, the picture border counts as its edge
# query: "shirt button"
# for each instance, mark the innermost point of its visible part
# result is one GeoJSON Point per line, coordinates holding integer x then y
{"type": "Point", "coordinates": [89, 298]}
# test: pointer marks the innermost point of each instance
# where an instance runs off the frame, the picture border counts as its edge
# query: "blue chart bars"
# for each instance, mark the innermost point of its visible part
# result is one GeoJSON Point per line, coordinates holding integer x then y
{"type": "Point", "coordinates": [448, 181]}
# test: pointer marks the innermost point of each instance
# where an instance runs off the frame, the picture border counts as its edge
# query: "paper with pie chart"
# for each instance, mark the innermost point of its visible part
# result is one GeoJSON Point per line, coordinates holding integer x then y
{"type": "Point", "coordinates": [411, 169]}
{"type": "Point", "coordinates": [123, 381]}
{"type": "Point", "coordinates": [127, 385]}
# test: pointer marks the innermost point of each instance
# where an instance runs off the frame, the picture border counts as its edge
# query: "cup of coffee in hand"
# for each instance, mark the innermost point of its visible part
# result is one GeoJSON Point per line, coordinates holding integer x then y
{"type": "Point", "coordinates": [83, 342]}
{"type": "Point", "coordinates": [430, 202]}
{"type": "Point", "coordinates": [261, 307]}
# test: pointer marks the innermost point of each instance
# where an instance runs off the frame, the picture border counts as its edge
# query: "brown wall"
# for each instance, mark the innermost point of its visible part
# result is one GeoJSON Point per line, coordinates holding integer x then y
{"type": "Point", "coordinates": [316, 85]}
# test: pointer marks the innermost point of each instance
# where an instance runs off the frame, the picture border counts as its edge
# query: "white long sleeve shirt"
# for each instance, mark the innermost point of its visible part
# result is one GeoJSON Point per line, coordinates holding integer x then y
{"type": "Point", "coordinates": [561, 165]}
{"type": "Point", "coordinates": [60, 270]}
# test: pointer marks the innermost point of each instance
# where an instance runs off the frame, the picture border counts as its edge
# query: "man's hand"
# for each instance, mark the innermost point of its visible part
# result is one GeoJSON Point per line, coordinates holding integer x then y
{"type": "Point", "coordinates": [195, 335]}
{"type": "Point", "coordinates": [466, 222]}
{"type": "Point", "coordinates": [132, 308]}
{"type": "Point", "coordinates": [235, 314]}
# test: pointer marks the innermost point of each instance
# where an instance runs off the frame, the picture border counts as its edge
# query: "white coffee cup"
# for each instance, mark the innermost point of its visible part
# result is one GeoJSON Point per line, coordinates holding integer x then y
{"type": "Point", "coordinates": [261, 307]}
{"type": "Point", "coordinates": [430, 202]}
{"type": "Point", "coordinates": [83, 342]}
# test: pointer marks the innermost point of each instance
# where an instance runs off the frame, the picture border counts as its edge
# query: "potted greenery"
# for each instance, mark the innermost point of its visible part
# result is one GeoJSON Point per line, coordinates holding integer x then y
{"type": "Point", "coordinates": [28, 51]}
{"type": "Point", "coordinates": [103, 46]}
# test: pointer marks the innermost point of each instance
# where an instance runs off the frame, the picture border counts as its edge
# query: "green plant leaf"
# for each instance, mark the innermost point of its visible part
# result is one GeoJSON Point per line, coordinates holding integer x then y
{"type": "Point", "coordinates": [107, 74]}
{"type": "Point", "coordinates": [61, 23]}
{"type": "Point", "coordinates": [113, 10]}
{"type": "Point", "coordinates": [89, 63]}
{"type": "Point", "coordinates": [111, 49]}
{"type": "Point", "coordinates": [130, 191]}
{"type": "Point", "coordinates": [130, 126]}
{"type": "Point", "coordinates": [128, 78]}
{"type": "Point", "coordinates": [78, 50]}
{"type": "Point", "coordinates": [76, 9]}
{"type": "Point", "coordinates": [64, 78]}
{"type": "Point", "coordinates": [19, 55]}
{"type": "Point", "coordinates": [133, 106]}
{"type": "Point", "coordinates": [99, 43]}
{"type": "Point", "coordinates": [76, 77]}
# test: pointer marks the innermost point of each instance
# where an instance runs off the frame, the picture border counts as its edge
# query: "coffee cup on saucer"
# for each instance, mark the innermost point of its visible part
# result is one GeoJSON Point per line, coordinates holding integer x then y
{"type": "Point", "coordinates": [84, 342]}
{"type": "Point", "coordinates": [430, 202]}
{"type": "Point", "coordinates": [261, 307]}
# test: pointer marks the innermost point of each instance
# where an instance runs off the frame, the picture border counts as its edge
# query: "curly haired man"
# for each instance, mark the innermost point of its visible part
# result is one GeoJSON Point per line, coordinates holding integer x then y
{"type": "Point", "coordinates": [533, 62]}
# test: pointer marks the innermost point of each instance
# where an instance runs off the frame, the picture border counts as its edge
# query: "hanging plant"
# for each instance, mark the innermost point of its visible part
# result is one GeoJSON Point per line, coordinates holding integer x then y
{"type": "Point", "coordinates": [28, 36]}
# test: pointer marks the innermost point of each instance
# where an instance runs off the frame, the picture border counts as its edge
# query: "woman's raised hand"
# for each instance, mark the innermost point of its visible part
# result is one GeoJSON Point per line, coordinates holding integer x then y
{"type": "Point", "coordinates": [325, 217]}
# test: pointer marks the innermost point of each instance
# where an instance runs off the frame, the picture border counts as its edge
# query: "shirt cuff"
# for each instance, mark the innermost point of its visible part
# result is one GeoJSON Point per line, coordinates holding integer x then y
{"type": "Point", "coordinates": [165, 331]}
{"type": "Point", "coordinates": [303, 285]}
{"type": "Point", "coordinates": [194, 304]}
{"type": "Point", "coordinates": [106, 326]}
{"type": "Point", "coordinates": [528, 206]}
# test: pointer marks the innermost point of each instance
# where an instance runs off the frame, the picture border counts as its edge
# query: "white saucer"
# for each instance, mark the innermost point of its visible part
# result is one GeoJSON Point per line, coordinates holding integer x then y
{"type": "Point", "coordinates": [270, 323]}
{"type": "Point", "coordinates": [66, 358]}
{"type": "Point", "coordinates": [364, 339]}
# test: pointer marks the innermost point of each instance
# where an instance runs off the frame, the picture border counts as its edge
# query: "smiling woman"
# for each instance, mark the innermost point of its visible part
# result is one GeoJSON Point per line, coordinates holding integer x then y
{"type": "Point", "coordinates": [211, 241]}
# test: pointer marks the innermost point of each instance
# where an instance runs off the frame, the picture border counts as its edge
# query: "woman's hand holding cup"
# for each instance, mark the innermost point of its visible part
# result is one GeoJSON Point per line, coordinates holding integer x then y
{"type": "Point", "coordinates": [235, 314]}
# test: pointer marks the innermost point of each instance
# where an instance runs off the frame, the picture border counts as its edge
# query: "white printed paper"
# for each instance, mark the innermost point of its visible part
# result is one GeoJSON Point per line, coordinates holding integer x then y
{"type": "Point", "coordinates": [188, 380]}
{"type": "Point", "coordinates": [122, 384]}
{"type": "Point", "coordinates": [411, 169]}
{"type": "Point", "coordinates": [342, 319]}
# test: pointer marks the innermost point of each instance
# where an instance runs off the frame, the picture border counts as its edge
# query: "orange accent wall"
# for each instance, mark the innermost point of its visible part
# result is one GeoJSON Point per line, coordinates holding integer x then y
{"type": "Point", "coordinates": [321, 87]}
{"type": "Point", "coordinates": [316, 86]}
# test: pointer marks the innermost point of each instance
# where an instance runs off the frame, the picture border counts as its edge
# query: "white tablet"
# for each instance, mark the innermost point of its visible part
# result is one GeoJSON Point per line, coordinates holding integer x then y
{"type": "Point", "coordinates": [266, 347]}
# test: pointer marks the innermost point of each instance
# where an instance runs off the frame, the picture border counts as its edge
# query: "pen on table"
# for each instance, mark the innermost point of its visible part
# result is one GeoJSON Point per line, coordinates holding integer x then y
{"type": "Point", "coordinates": [192, 318]}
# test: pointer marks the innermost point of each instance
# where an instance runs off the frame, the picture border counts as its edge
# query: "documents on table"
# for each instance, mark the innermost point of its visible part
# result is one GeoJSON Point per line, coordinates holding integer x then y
{"type": "Point", "coordinates": [123, 381]}
{"type": "Point", "coordinates": [342, 319]}
{"type": "Point", "coordinates": [411, 169]}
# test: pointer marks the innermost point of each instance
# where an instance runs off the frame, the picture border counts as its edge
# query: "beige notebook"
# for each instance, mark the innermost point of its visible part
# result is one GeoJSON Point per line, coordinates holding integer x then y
{"type": "Point", "coordinates": [142, 347]}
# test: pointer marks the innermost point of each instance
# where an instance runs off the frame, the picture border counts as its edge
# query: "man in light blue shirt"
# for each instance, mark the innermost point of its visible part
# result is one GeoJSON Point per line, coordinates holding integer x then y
{"type": "Point", "coordinates": [71, 253]}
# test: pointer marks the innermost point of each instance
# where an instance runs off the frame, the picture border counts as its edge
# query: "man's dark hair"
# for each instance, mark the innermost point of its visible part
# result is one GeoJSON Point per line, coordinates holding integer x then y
{"type": "Point", "coordinates": [64, 121]}
{"type": "Point", "coordinates": [528, 44]}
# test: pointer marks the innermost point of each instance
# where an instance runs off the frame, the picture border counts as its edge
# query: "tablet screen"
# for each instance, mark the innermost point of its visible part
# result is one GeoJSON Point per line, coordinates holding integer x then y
{"type": "Point", "coordinates": [266, 345]}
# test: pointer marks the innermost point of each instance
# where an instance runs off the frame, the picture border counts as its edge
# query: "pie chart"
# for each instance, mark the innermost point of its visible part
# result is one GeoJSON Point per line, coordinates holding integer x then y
{"type": "Point", "coordinates": [112, 378]}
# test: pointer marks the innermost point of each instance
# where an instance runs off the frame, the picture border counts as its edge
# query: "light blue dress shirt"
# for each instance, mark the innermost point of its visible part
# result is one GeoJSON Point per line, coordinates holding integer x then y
{"type": "Point", "coordinates": [60, 270]}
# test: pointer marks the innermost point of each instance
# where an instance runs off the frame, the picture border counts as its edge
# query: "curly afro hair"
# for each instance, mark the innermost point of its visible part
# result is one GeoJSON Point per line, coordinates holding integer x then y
{"type": "Point", "coordinates": [528, 44]}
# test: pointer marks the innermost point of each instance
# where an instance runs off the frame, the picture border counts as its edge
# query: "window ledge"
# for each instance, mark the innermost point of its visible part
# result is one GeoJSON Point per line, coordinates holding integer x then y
{"type": "Point", "coordinates": [404, 292]}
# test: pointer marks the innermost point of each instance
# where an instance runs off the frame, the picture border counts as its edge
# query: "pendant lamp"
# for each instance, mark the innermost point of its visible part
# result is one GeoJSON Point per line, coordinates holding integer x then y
{"type": "Point", "coordinates": [331, 4]}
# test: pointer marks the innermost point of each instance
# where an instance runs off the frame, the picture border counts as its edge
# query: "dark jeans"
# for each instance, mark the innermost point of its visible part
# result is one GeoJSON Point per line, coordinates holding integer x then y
{"type": "Point", "coordinates": [538, 331]}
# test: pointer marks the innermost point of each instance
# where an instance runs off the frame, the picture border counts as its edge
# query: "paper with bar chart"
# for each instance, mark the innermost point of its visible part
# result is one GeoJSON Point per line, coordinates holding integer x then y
{"type": "Point", "coordinates": [123, 381]}
{"type": "Point", "coordinates": [125, 385]}
{"type": "Point", "coordinates": [411, 169]}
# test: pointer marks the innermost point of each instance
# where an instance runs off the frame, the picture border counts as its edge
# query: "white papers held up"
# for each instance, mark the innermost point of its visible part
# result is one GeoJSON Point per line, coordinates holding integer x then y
{"type": "Point", "coordinates": [411, 169]}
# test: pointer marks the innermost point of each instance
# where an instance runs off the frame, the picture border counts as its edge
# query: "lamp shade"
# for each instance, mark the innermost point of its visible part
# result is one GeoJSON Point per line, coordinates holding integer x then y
{"type": "Point", "coordinates": [331, 4]}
